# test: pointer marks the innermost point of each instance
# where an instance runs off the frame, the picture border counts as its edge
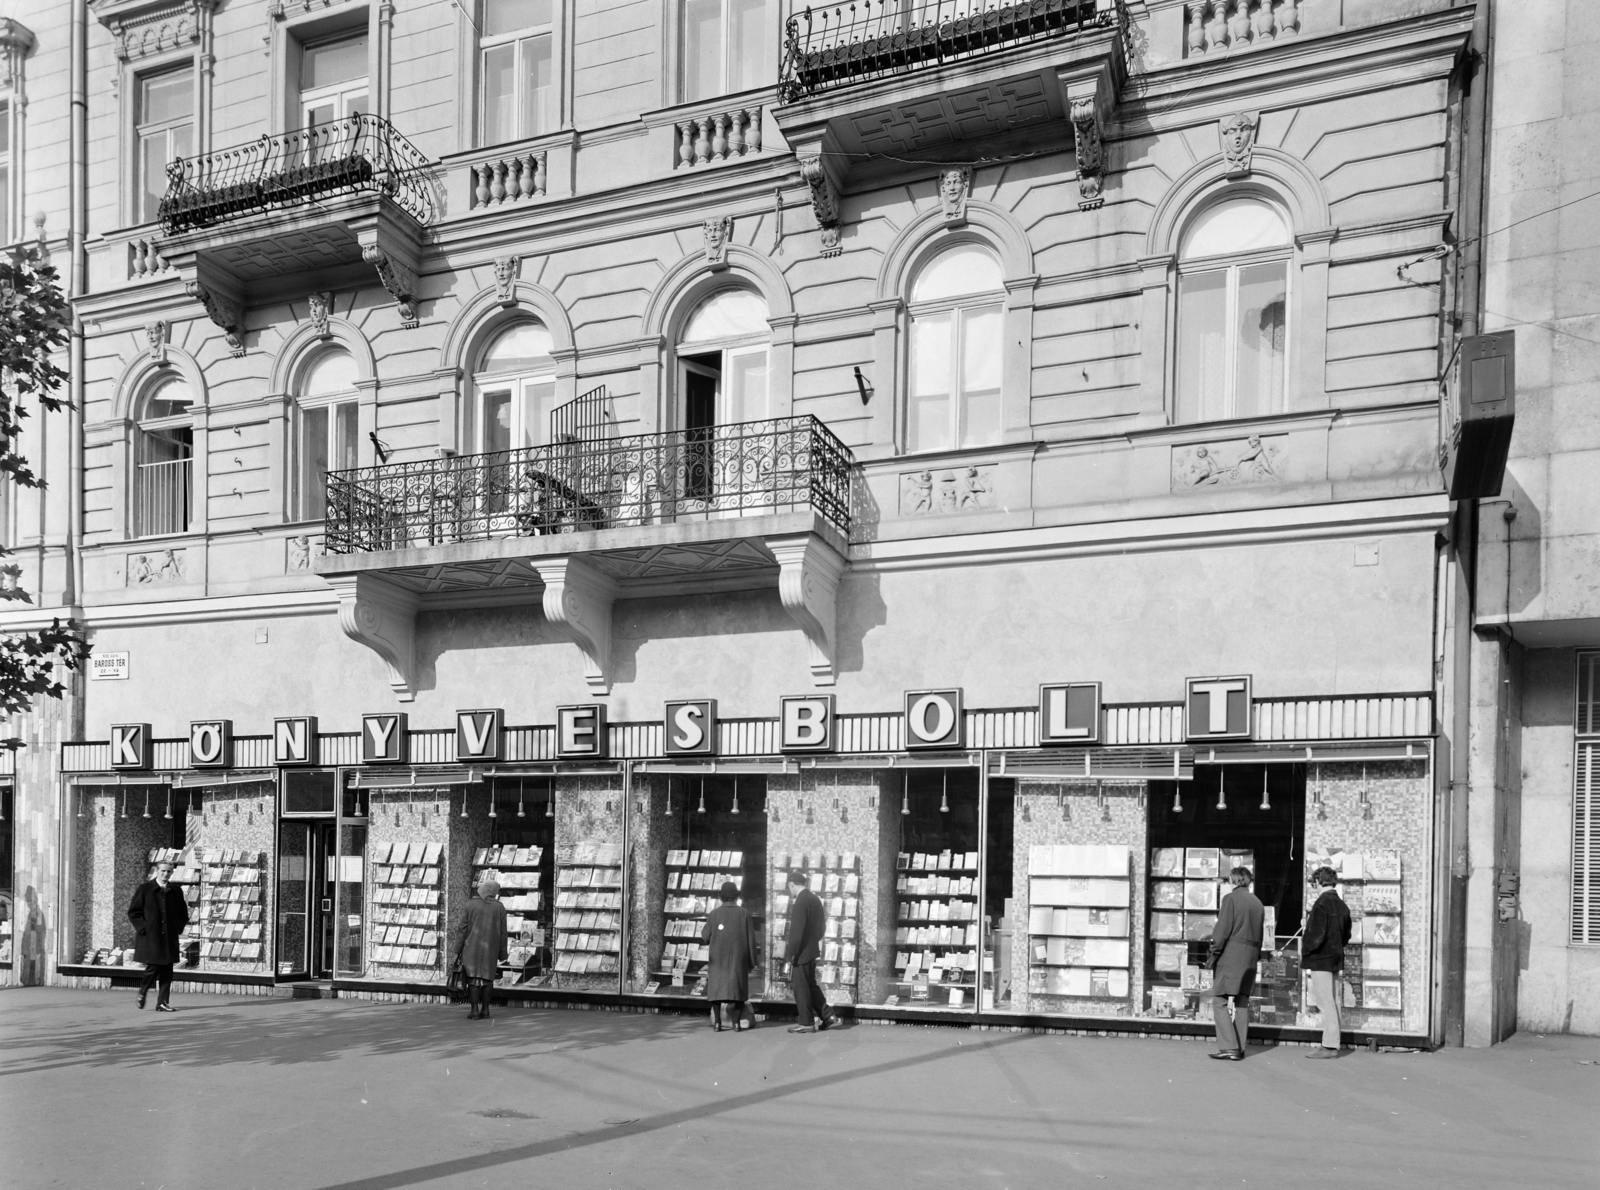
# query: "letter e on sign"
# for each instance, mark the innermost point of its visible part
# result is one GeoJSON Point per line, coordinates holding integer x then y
{"type": "Point", "coordinates": [294, 741]}
{"type": "Point", "coordinates": [1219, 708]}
{"type": "Point", "coordinates": [383, 738]}
{"type": "Point", "coordinates": [934, 719]}
{"type": "Point", "coordinates": [806, 723]}
{"type": "Point", "coordinates": [480, 734]}
{"type": "Point", "coordinates": [692, 727]}
{"type": "Point", "coordinates": [211, 744]}
{"type": "Point", "coordinates": [581, 731]}
{"type": "Point", "coordinates": [1069, 713]}
{"type": "Point", "coordinates": [131, 746]}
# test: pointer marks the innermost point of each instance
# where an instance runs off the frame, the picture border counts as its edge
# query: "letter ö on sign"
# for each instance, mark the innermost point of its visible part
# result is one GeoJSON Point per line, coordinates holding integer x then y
{"type": "Point", "coordinates": [383, 738]}
{"type": "Point", "coordinates": [480, 734]}
{"type": "Point", "coordinates": [692, 727]}
{"type": "Point", "coordinates": [211, 744]}
{"type": "Point", "coordinates": [806, 723]}
{"type": "Point", "coordinates": [933, 719]}
{"type": "Point", "coordinates": [294, 741]}
{"type": "Point", "coordinates": [131, 747]}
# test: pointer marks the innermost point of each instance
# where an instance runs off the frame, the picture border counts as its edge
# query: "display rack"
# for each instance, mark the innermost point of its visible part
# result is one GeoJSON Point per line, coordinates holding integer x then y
{"type": "Point", "coordinates": [1370, 886]}
{"type": "Point", "coordinates": [937, 930]}
{"type": "Point", "coordinates": [836, 878]}
{"type": "Point", "coordinates": [406, 880]}
{"type": "Point", "coordinates": [519, 871]}
{"type": "Point", "coordinates": [588, 910]}
{"type": "Point", "coordinates": [1078, 920]}
{"type": "Point", "coordinates": [230, 904]}
{"type": "Point", "coordinates": [694, 884]}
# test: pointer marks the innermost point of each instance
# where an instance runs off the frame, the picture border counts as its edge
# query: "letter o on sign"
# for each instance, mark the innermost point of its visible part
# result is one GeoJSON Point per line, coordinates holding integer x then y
{"type": "Point", "coordinates": [933, 719]}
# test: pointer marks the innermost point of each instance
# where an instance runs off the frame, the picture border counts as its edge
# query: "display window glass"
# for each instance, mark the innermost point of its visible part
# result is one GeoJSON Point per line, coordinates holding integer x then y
{"type": "Point", "coordinates": [518, 853]}
{"type": "Point", "coordinates": [8, 914]}
{"type": "Point", "coordinates": [587, 895]}
{"type": "Point", "coordinates": [414, 850]}
{"type": "Point", "coordinates": [351, 900]}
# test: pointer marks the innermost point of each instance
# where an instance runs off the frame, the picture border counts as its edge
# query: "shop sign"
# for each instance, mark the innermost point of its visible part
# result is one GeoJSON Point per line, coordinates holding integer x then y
{"type": "Point", "coordinates": [383, 738]}
{"type": "Point", "coordinates": [211, 744]}
{"type": "Point", "coordinates": [1219, 708]}
{"type": "Point", "coordinates": [132, 746]}
{"type": "Point", "coordinates": [1069, 713]}
{"type": "Point", "coordinates": [806, 723]}
{"type": "Point", "coordinates": [294, 741]}
{"type": "Point", "coordinates": [108, 667]}
{"type": "Point", "coordinates": [581, 732]}
{"type": "Point", "coordinates": [692, 727]}
{"type": "Point", "coordinates": [934, 719]}
{"type": "Point", "coordinates": [480, 735]}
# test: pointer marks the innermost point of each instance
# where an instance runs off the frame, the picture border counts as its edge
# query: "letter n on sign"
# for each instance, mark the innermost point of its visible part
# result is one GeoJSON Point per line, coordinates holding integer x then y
{"type": "Point", "coordinates": [383, 738]}
{"type": "Point", "coordinates": [294, 741]}
{"type": "Point", "coordinates": [1219, 708]}
{"type": "Point", "coordinates": [934, 719]}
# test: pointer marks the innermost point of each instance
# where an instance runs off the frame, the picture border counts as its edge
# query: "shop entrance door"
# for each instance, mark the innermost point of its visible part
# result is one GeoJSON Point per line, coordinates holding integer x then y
{"type": "Point", "coordinates": [307, 866]}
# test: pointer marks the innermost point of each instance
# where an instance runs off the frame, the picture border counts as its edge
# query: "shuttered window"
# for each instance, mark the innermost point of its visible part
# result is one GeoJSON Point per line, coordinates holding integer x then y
{"type": "Point", "coordinates": [1586, 805]}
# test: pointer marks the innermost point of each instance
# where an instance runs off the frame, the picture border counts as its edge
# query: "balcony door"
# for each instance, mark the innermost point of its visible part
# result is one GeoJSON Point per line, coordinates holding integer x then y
{"type": "Point", "coordinates": [333, 81]}
{"type": "Point", "coordinates": [164, 461]}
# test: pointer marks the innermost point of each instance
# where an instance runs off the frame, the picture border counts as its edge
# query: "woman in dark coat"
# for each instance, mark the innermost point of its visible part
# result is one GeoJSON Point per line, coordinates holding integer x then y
{"type": "Point", "coordinates": [731, 933]}
{"type": "Point", "coordinates": [484, 946]}
{"type": "Point", "coordinates": [158, 913]}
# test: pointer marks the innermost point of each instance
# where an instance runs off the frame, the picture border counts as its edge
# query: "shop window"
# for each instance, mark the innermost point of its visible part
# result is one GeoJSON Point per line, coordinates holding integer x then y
{"type": "Point", "coordinates": [715, 832]}
{"type": "Point", "coordinates": [8, 913]}
{"type": "Point", "coordinates": [1233, 312]}
{"type": "Point", "coordinates": [957, 304]}
{"type": "Point", "coordinates": [333, 80]}
{"type": "Point", "coordinates": [513, 392]}
{"type": "Point", "coordinates": [164, 131]}
{"type": "Point", "coordinates": [727, 46]}
{"type": "Point", "coordinates": [326, 433]}
{"type": "Point", "coordinates": [516, 69]}
{"type": "Point", "coordinates": [1586, 806]}
{"type": "Point", "coordinates": [520, 858]}
{"type": "Point", "coordinates": [164, 461]}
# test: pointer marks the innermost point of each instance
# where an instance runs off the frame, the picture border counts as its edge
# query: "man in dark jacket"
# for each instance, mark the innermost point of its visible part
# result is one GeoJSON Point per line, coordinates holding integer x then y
{"type": "Point", "coordinates": [158, 913]}
{"type": "Point", "coordinates": [1322, 954]}
{"type": "Point", "coordinates": [1235, 950]}
{"type": "Point", "coordinates": [807, 923]}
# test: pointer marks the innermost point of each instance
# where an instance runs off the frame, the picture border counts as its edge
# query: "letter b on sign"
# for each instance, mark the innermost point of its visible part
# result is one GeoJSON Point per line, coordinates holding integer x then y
{"type": "Point", "coordinates": [806, 723]}
{"type": "Point", "coordinates": [934, 719]}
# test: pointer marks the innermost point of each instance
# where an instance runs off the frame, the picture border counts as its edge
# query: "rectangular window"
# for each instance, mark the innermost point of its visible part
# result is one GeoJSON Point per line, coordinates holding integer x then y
{"type": "Point", "coordinates": [328, 437]}
{"type": "Point", "coordinates": [516, 69]}
{"type": "Point", "coordinates": [1232, 341]}
{"type": "Point", "coordinates": [1586, 844]}
{"type": "Point", "coordinates": [928, 410]}
{"type": "Point", "coordinates": [5, 173]}
{"type": "Point", "coordinates": [164, 132]}
{"type": "Point", "coordinates": [1202, 352]}
{"type": "Point", "coordinates": [333, 80]}
{"type": "Point", "coordinates": [726, 46]}
{"type": "Point", "coordinates": [955, 379]}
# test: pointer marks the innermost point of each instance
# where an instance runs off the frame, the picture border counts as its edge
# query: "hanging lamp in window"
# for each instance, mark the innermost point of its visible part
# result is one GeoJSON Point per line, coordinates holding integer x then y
{"type": "Point", "coordinates": [146, 803]}
{"type": "Point", "coordinates": [168, 814]}
{"type": "Point", "coordinates": [125, 804]}
{"type": "Point", "coordinates": [1177, 798]}
{"type": "Point", "coordinates": [736, 795]}
{"type": "Point", "coordinates": [492, 800]}
{"type": "Point", "coordinates": [905, 792]}
{"type": "Point", "coordinates": [702, 808]}
{"type": "Point", "coordinates": [463, 801]}
{"type": "Point", "coordinates": [1366, 798]}
{"type": "Point", "coordinates": [521, 813]}
{"type": "Point", "coordinates": [1222, 793]}
{"type": "Point", "coordinates": [1266, 798]}
{"type": "Point", "coordinates": [669, 797]}
{"type": "Point", "coordinates": [550, 802]}
{"type": "Point", "coordinates": [944, 792]}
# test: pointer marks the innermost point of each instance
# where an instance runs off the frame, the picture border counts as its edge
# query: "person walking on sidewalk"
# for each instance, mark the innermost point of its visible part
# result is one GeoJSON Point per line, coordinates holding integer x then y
{"type": "Point", "coordinates": [1322, 954]}
{"type": "Point", "coordinates": [730, 933]}
{"type": "Point", "coordinates": [158, 913]}
{"type": "Point", "coordinates": [808, 921]}
{"type": "Point", "coordinates": [484, 946]}
{"type": "Point", "coordinates": [1235, 950]}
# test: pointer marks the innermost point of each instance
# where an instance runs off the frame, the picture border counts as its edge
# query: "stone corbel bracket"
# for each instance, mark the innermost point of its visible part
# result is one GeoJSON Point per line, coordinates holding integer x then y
{"type": "Point", "coordinates": [808, 583]}
{"type": "Point", "coordinates": [1089, 101]}
{"type": "Point", "coordinates": [824, 203]}
{"type": "Point", "coordinates": [377, 613]}
{"type": "Point", "coordinates": [577, 599]}
{"type": "Point", "coordinates": [222, 310]}
{"type": "Point", "coordinates": [398, 278]}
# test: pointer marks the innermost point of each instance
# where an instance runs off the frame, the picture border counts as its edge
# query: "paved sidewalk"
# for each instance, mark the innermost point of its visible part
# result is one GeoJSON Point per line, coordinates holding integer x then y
{"type": "Point", "coordinates": [243, 1092]}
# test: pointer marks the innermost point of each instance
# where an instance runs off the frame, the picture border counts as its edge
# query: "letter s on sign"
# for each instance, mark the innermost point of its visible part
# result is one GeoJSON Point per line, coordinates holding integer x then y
{"type": "Point", "coordinates": [689, 732]}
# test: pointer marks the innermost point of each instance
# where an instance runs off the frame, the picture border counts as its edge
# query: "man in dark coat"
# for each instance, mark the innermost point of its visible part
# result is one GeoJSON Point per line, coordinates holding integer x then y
{"type": "Point", "coordinates": [484, 946]}
{"type": "Point", "coordinates": [158, 913]}
{"type": "Point", "coordinates": [808, 921]}
{"type": "Point", "coordinates": [1235, 950]}
{"type": "Point", "coordinates": [1322, 954]}
{"type": "Point", "coordinates": [730, 933]}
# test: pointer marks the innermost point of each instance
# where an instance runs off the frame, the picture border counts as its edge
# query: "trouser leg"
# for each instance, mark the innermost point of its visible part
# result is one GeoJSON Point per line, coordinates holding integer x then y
{"type": "Point", "coordinates": [1241, 1022]}
{"type": "Point", "coordinates": [1325, 989]}
{"type": "Point", "coordinates": [1227, 1039]}
{"type": "Point", "coordinates": [149, 980]}
{"type": "Point", "coordinates": [801, 980]}
{"type": "Point", "coordinates": [819, 1002]}
{"type": "Point", "coordinates": [164, 978]}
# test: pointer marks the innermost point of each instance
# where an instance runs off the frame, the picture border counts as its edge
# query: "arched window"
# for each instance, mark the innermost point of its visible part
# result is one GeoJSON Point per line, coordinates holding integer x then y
{"type": "Point", "coordinates": [164, 460]}
{"type": "Point", "coordinates": [326, 430]}
{"type": "Point", "coordinates": [514, 390]}
{"type": "Point", "coordinates": [957, 312]}
{"type": "Point", "coordinates": [1233, 312]}
{"type": "Point", "coordinates": [722, 361]}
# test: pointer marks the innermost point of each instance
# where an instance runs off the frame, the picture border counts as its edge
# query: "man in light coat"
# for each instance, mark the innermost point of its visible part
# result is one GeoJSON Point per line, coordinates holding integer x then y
{"type": "Point", "coordinates": [1235, 950]}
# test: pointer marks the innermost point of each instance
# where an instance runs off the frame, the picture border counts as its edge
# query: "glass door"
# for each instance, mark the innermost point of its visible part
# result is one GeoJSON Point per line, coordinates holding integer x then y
{"type": "Point", "coordinates": [294, 899]}
{"type": "Point", "coordinates": [324, 897]}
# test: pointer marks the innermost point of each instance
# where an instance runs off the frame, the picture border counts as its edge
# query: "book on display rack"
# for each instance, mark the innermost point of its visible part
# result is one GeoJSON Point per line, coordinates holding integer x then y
{"type": "Point", "coordinates": [1370, 886]}
{"type": "Point", "coordinates": [835, 877]}
{"type": "Point", "coordinates": [405, 904]}
{"type": "Point", "coordinates": [229, 922]}
{"type": "Point", "coordinates": [694, 889]}
{"type": "Point", "coordinates": [518, 870]}
{"type": "Point", "coordinates": [588, 910]}
{"type": "Point", "coordinates": [936, 930]}
{"type": "Point", "coordinates": [1078, 915]}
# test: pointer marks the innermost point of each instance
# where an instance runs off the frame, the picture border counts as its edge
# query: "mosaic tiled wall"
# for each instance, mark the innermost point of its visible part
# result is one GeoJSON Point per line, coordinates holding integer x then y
{"type": "Point", "coordinates": [648, 831]}
{"type": "Point", "coordinates": [588, 810]}
{"type": "Point", "coordinates": [112, 858]}
{"type": "Point", "coordinates": [1398, 814]}
{"type": "Point", "coordinates": [1050, 813]}
{"type": "Point", "coordinates": [242, 818]}
{"type": "Point", "coordinates": [44, 926]}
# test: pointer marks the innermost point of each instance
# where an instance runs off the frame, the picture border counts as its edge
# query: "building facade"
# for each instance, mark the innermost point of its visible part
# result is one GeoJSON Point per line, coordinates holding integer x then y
{"type": "Point", "coordinates": [984, 458]}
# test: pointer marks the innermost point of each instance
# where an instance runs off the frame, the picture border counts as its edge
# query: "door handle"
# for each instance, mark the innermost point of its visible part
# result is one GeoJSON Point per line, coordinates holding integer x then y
{"type": "Point", "coordinates": [327, 904]}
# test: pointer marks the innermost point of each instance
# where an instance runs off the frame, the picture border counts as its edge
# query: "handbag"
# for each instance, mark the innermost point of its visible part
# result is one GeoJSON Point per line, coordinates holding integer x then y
{"type": "Point", "coordinates": [456, 983]}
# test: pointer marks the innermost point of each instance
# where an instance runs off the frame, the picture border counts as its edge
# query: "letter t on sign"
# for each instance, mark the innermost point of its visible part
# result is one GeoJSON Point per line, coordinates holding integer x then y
{"type": "Point", "coordinates": [1219, 708]}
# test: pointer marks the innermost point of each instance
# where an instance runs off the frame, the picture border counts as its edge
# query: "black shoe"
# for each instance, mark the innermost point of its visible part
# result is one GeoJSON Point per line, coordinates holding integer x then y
{"type": "Point", "coordinates": [142, 994]}
{"type": "Point", "coordinates": [165, 1008]}
{"type": "Point", "coordinates": [802, 1029]}
{"type": "Point", "coordinates": [825, 1025]}
{"type": "Point", "coordinates": [1227, 1056]}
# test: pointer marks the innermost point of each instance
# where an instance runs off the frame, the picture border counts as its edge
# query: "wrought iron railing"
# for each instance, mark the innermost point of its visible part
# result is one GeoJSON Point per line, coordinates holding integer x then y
{"type": "Point", "coordinates": [355, 155]}
{"type": "Point", "coordinates": [868, 39]}
{"type": "Point", "coordinates": [786, 465]}
{"type": "Point", "coordinates": [165, 496]}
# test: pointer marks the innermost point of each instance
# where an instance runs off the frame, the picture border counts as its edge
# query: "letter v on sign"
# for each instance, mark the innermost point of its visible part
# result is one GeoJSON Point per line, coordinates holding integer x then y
{"type": "Point", "coordinates": [479, 734]}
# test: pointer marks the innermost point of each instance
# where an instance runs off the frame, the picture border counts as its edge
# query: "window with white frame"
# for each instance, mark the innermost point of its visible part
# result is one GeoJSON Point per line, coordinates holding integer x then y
{"type": "Point", "coordinates": [164, 460]}
{"type": "Point", "coordinates": [6, 235]}
{"type": "Point", "coordinates": [513, 392]}
{"type": "Point", "coordinates": [164, 131]}
{"type": "Point", "coordinates": [1586, 805]}
{"type": "Point", "coordinates": [326, 433]}
{"type": "Point", "coordinates": [516, 69]}
{"type": "Point", "coordinates": [725, 46]}
{"type": "Point", "coordinates": [333, 80]}
{"type": "Point", "coordinates": [1233, 312]}
{"type": "Point", "coordinates": [957, 314]}
{"type": "Point", "coordinates": [722, 361]}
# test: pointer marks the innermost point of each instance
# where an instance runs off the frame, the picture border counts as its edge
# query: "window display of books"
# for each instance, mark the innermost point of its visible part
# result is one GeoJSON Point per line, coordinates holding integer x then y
{"type": "Point", "coordinates": [405, 903]}
{"type": "Point", "coordinates": [1369, 884]}
{"type": "Point", "coordinates": [229, 922]}
{"type": "Point", "coordinates": [937, 933]}
{"type": "Point", "coordinates": [835, 877]}
{"type": "Point", "coordinates": [588, 910]}
{"type": "Point", "coordinates": [519, 871]}
{"type": "Point", "coordinates": [1078, 920]}
{"type": "Point", "coordinates": [1187, 885]}
{"type": "Point", "coordinates": [694, 884]}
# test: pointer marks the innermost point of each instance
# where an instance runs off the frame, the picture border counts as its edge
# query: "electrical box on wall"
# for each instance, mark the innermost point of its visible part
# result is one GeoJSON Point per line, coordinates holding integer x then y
{"type": "Point", "coordinates": [1477, 409]}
